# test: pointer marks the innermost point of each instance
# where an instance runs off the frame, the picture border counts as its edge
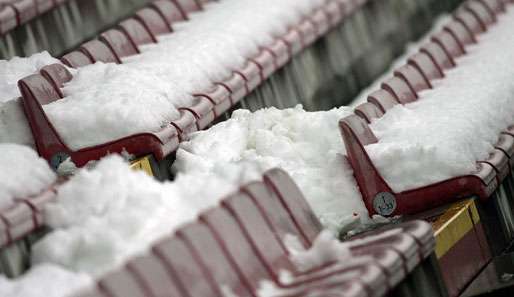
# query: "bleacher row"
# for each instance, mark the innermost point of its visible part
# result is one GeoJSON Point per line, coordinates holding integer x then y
{"type": "Point", "coordinates": [236, 246]}
{"type": "Point", "coordinates": [491, 182]}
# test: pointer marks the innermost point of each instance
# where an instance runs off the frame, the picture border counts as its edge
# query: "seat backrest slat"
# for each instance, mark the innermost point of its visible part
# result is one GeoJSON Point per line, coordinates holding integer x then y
{"type": "Point", "coordinates": [383, 99]}
{"type": "Point", "coordinates": [438, 55]}
{"type": "Point", "coordinates": [153, 21]}
{"type": "Point", "coordinates": [136, 32]}
{"type": "Point", "coordinates": [57, 74]}
{"type": "Point", "coordinates": [169, 11]}
{"type": "Point", "coordinates": [76, 59]}
{"type": "Point", "coordinates": [400, 90]}
{"type": "Point", "coordinates": [98, 51]}
{"type": "Point", "coordinates": [119, 43]}
{"type": "Point", "coordinates": [426, 66]}
{"type": "Point", "coordinates": [368, 111]}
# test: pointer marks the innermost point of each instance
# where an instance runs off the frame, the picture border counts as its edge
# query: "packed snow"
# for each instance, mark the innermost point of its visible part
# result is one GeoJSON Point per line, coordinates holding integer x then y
{"type": "Point", "coordinates": [305, 144]}
{"type": "Point", "coordinates": [14, 127]}
{"type": "Point", "coordinates": [199, 52]}
{"type": "Point", "coordinates": [11, 71]}
{"type": "Point", "coordinates": [452, 126]}
{"type": "Point", "coordinates": [23, 173]}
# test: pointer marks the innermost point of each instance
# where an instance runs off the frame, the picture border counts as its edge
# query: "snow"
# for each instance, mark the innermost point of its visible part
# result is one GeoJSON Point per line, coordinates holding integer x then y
{"type": "Point", "coordinates": [11, 71]}
{"type": "Point", "coordinates": [455, 124]}
{"type": "Point", "coordinates": [307, 145]}
{"type": "Point", "coordinates": [199, 52]}
{"type": "Point", "coordinates": [23, 173]}
{"type": "Point", "coordinates": [14, 127]}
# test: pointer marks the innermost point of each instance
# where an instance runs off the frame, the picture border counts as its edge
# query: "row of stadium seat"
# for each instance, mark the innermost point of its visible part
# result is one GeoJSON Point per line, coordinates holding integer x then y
{"type": "Point", "coordinates": [239, 244]}
{"type": "Point", "coordinates": [492, 182]}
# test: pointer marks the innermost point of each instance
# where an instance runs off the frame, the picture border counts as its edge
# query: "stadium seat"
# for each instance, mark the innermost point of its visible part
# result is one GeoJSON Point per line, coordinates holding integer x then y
{"type": "Point", "coordinates": [438, 55]}
{"type": "Point", "coordinates": [480, 11]}
{"type": "Point", "coordinates": [400, 90]}
{"type": "Point", "coordinates": [424, 63]}
{"type": "Point", "coordinates": [203, 111]}
{"type": "Point", "coordinates": [153, 22]}
{"type": "Point", "coordinates": [76, 59]}
{"type": "Point", "coordinates": [368, 111]}
{"type": "Point", "coordinates": [413, 77]}
{"type": "Point", "coordinates": [220, 97]}
{"type": "Point", "coordinates": [470, 21]}
{"type": "Point", "coordinates": [136, 32]}
{"type": "Point", "coordinates": [460, 33]}
{"type": "Point", "coordinates": [57, 75]}
{"type": "Point", "coordinates": [383, 99]}
{"type": "Point", "coordinates": [447, 41]}
{"type": "Point", "coordinates": [169, 11]}
{"type": "Point", "coordinates": [98, 51]}
{"type": "Point", "coordinates": [378, 196]}
{"type": "Point", "coordinates": [119, 44]}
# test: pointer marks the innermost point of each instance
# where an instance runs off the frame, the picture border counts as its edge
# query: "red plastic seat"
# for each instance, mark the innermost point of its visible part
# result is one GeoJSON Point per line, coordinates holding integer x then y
{"type": "Point", "coordinates": [56, 74]}
{"type": "Point", "coordinates": [183, 267]}
{"type": "Point", "coordinates": [383, 100]}
{"type": "Point", "coordinates": [481, 12]}
{"type": "Point", "coordinates": [438, 55]}
{"type": "Point", "coordinates": [119, 43]}
{"type": "Point", "coordinates": [368, 111]}
{"type": "Point", "coordinates": [470, 21]}
{"type": "Point", "coordinates": [426, 66]}
{"type": "Point", "coordinates": [413, 77]}
{"type": "Point", "coordinates": [295, 203]}
{"type": "Point", "coordinates": [377, 194]}
{"type": "Point", "coordinates": [37, 91]}
{"type": "Point", "coordinates": [199, 239]}
{"type": "Point", "coordinates": [76, 59]}
{"type": "Point", "coordinates": [400, 90]}
{"type": "Point", "coordinates": [451, 46]}
{"type": "Point", "coordinates": [170, 12]}
{"type": "Point", "coordinates": [153, 21]}
{"type": "Point", "coordinates": [460, 33]}
{"type": "Point", "coordinates": [136, 32]}
{"type": "Point", "coordinates": [98, 51]}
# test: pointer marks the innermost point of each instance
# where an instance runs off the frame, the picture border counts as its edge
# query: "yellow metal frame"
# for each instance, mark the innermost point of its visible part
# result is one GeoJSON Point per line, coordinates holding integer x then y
{"type": "Point", "coordinates": [142, 164]}
{"type": "Point", "coordinates": [454, 224]}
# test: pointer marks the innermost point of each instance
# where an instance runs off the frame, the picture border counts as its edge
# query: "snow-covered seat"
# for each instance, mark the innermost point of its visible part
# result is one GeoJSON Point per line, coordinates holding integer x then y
{"type": "Point", "coordinates": [400, 89]}
{"type": "Point", "coordinates": [460, 33]}
{"type": "Point", "coordinates": [378, 195]}
{"type": "Point", "coordinates": [153, 21]}
{"type": "Point", "coordinates": [368, 111]}
{"type": "Point", "coordinates": [448, 42]}
{"type": "Point", "coordinates": [383, 99]}
{"type": "Point", "coordinates": [37, 91]}
{"type": "Point", "coordinates": [119, 43]}
{"type": "Point", "coordinates": [76, 59]}
{"type": "Point", "coordinates": [98, 51]}
{"type": "Point", "coordinates": [438, 55]}
{"type": "Point", "coordinates": [413, 77]}
{"type": "Point", "coordinates": [169, 11]}
{"type": "Point", "coordinates": [137, 33]}
{"type": "Point", "coordinates": [424, 63]}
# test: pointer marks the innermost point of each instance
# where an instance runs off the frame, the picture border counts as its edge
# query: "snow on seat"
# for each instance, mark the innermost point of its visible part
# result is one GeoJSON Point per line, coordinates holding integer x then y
{"type": "Point", "coordinates": [137, 32]}
{"type": "Point", "coordinates": [438, 54]}
{"type": "Point", "coordinates": [450, 45]}
{"type": "Point", "coordinates": [400, 89]}
{"type": "Point", "coordinates": [424, 63]}
{"type": "Point", "coordinates": [37, 91]}
{"type": "Point", "coordinates": [383, 99]}
{"type": "Point", "coordinates": [98, 51]}
{"type": "Point", "coordinates": [368, 111]}
{"type": "Point", "coordinates": [378, 195]}
{"type": "Point", "coordinates": [413, 77]}
{"type": "Point", "coordinates": [119, 43]}
{"type": "Point", "coordinates": [76, 59]}
{"type": "Point", "coordinates": [153, 21]}
{"type": "Point", "coordinates": [170, 12]}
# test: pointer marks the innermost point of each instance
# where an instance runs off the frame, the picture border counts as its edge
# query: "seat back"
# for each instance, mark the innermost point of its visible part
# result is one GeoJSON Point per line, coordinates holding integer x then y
{"type": "Point", "coordinates": [413, 77]}
{"type": "Point", "coordinates": [470, 21]}
{"type": "Point", "coordinates": [169, 11]}
{"type": "Point", "coordinates": [183, 266]}
{"type": "Point", "coordinates": [197, 236]}
{"type": "Point", "coordinates": [426, 66]}
{"type": "Point", "coordinates": [368, 111]}
{"type": "Point", "coordinates": [460, 33]}
{"type": "Point", "coordinates": [495, 6]}
{"type": "Point", "coordinates": [438, 55]}
{"type": "Point", "coordinates": [383, 99]}
{"type": "Point", "coordinates": [400, 90]}
{"type": "Point", "coordinates": [153, 21]}
{"type": "Point", "coordinates": [296, 204]}
{"type": "Point", "coordinates": [119, 43]}
{"type": "Point", "coordinates": [57, 75]}
{"type": "Point", "coordinates": [136, 32]}
{"type": "Point", "coordinates": [481, 12]}
{"type": "Point", "coordinates": [447, 41]}
{"type": "Point", "coordinates": [76, 59]}
{"type": "Point", "coordinates": [237, 248]}
{"type": "Point", "coordinates": [98, 51]}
